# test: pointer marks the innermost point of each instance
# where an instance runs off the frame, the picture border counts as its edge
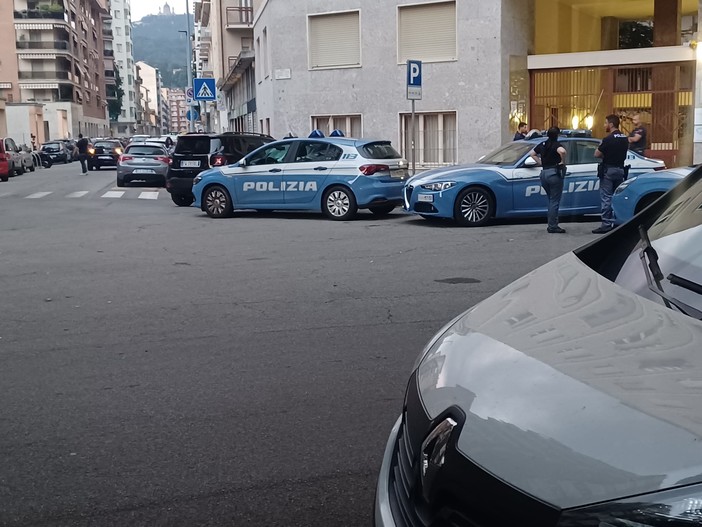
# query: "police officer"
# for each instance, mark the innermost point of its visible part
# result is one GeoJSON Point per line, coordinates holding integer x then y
{"type": "Point", "coordinates": [521, 131]}
{"type": "Point", "coordinates": [551, 156]}
{"type": "Point", "coordinates": [612, 151]}
{"type": "Point", "coordinates": [637, 138]}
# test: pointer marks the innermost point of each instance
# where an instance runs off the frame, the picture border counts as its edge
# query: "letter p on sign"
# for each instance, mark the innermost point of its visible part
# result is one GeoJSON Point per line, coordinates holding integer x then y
{"type": "Point", "coordinates": [414, 79]}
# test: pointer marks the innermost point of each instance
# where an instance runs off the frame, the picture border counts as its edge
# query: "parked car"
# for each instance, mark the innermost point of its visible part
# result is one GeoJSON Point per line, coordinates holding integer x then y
{"type": "Point", "coordinates": [70, 147]}
{"type": "Point", "coordinates": [56, 150]}
{"type": "Point", "coordinates": [143, 162]}
{"type": "Point", "coordinates": [638, 192]}
{"type": "Point", "coordinates": [570, 398]}
{"type": "Point", "coordinates": [104, 154]}
{"type": "Point", "coordinates": [12, 153]}
{"type": "Point", "coordinates": [335, 175]}
{"type": "Point", "coordinates": [27, 158]}
{"type": "Point", "coordinates": [505, 184]}
{"type": "Point", "coordinates": [196, 152]}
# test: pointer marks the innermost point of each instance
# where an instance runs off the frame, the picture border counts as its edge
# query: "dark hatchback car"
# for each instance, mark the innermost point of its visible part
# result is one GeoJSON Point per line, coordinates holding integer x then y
{"type": "Point", "coordinates": [104, 154]}
{"type": "Point", "coordinates": [57, 151]}
{"type": "Point", "coordinates": [572, 397]}
{"type": "Point", "coordinates": [194, 153]}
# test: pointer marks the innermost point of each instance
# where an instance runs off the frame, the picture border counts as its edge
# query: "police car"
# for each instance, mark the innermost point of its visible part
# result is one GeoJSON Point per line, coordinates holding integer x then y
{"type": "Point", "coordinates": [335, 175]}
{"type": "Point", "coordinates": [505, 184]}
{"type": "Point", "coordinates": [637, 193]}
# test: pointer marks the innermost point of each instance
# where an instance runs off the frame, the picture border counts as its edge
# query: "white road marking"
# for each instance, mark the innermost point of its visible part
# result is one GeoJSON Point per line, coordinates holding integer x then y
{"type": "Point", "coordinates": [5, 194]}
{"type": "Point", "coordinates": [38, 195]}
{"type": "Point", "coordinates": [113, 194]}
{"type": "Point", "coordinates": [148, 195]}
{"type": "Point", "coordinates": [78, 194]}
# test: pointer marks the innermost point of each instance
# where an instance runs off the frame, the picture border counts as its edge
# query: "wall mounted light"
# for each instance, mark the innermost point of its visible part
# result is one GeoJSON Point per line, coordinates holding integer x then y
{"type": "Point", "coordinates": [589, 121]}
{"type": "Point", "coordinates": [575, 122]}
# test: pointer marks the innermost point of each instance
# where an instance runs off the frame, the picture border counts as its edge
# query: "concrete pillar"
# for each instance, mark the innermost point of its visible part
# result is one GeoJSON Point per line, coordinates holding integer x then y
{"type": "Point", "coordinates": [610, 33]}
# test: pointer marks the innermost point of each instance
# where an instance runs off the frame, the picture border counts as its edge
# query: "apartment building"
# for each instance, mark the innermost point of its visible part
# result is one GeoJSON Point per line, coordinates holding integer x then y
{"type": "Point", "coordinates": [152, 84]}
{"type": "Point", "coordinates": [486, 66]}
{"type": "Point", "coordinates": [53, 72]}
{"type": "Point", "coordinates": [165, 112]}
{"type": "Point", "coordinates": [177, 110]}
{"type": "Point", "coordinates": [121, 46]}
{"type": "Point", "coordinates": [226, 53]}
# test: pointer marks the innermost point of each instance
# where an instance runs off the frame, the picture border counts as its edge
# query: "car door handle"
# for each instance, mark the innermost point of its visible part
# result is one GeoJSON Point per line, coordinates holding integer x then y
{"type": "Point", "coordinates": [275, 170]}
{"type": "Point", "coordinates": [321, 168]}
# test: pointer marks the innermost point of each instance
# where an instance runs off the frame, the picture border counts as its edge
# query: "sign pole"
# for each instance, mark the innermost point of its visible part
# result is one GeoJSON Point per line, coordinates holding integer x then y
{"type": "Point", "coordinates": [189, 71]}
{"type": "Point", "coordinates": [413, 132]}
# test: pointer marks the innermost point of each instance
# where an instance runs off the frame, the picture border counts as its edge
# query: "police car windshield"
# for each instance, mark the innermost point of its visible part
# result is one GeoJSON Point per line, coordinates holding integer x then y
{"type": "Point", "coordinates": [507, 155]}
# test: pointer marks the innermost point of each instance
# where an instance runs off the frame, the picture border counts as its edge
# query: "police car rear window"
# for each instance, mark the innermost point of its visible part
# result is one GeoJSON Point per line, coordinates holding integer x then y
{"type": "Point", "coordinates": [379, 150]}
{"type": "Point", "coordinates": [197, 145]}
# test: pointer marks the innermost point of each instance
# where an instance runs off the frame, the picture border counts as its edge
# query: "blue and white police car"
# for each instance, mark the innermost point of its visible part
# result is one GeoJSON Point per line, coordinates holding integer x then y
{"type": "Point", "coordinates": [637, 193]}
{"type": "Point", "coordinates": [505, 184]}
{"type": "Point", "coordinates": [334, 175]}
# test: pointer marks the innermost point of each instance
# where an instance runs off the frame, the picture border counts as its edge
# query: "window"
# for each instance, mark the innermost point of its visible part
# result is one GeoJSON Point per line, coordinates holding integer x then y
{"type": "Point", "coordinates": [124, 114]}
{"type": "Point", "coordinates": [349, 124]}
{"type": "Point", "coordinates": [427, 32]}
{"type": "Point", "coordinates": [270, 156]}
{"type": "Point", "coordinates": [118, 31]}
{"type": "Point", "coordinates": [316, 152]}
{"type": "Point", "coordinates": [334, 40]}
{"type": "Point", "coordinates": [258, 52]}
{"type": "Point", "coordinates": [264, 52]}
{"type": "Point", "coordinates": [436, 138]}
{"type": "Point", "coordinates": [119, 48]}
{"type": "Point", "coordinates": [117, 14]}
{"type": "Point", "coordinates": [581, 152]}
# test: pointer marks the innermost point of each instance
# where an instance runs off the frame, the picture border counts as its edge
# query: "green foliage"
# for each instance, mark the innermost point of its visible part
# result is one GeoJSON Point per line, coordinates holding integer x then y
{"type": "Point", "coordinates": [114, 107]}
{"type": "Point", "coordinates": [157, 42]}
{"type": "Point", "coordinates": [634, 35]}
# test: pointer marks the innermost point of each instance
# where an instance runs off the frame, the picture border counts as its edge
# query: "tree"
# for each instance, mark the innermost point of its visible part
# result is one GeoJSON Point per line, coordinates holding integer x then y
{"type": "Point", "coordinates": [115, 105]}
{"type": "Point", "coordinates": [634, 35]}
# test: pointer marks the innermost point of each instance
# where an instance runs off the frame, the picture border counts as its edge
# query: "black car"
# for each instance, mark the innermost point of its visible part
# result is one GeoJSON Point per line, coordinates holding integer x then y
{"type": "Point", "coordinates": [571, 398]}
{"type": "Point", "coordinates": [194, 153]}
{"type": "Point", "coordinates": [104, 154]}
{"type": "Point", "coordinates": [57, 151]}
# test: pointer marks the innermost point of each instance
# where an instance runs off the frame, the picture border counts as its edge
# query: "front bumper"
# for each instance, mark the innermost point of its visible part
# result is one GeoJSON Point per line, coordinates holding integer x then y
{"type": "Point", "coordinates": [383, 510]}
{"type": "Point", "coordinates": [432, 203]}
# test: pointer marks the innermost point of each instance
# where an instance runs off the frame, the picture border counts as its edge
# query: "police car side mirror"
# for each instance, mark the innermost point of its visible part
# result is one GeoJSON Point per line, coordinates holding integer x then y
{"type": "Point", "coordinates": [529, 162]}
{"type": "Point", "coordinates": [243, 162]}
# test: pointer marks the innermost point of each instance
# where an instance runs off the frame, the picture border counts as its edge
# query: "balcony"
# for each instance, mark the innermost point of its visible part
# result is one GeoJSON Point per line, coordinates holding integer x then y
{"type": "Point", "coordinates": [57, 13]}
{"type": "Point", "coordinates": [107, 34]}
{"type": "Point", "coordinates": [239, 17]}
{"type": "Point", "coordinates": [109, 52]}
{"type": "Point", "coordinates": [55, 45]}
{"type": "Point", "coordinates": [237, 66]}
{"type": "Point", "coordinates": [45, 75]}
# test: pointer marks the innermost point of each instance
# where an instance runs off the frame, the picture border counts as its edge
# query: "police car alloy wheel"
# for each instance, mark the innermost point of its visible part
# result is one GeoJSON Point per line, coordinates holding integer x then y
{"type": "Point", "coordinates": [218, 204]}
{"type": "Point", "coordinates": [474, 207]}
{"type": "Point", "coordinates": [183, 200]}
{"type": "Point", "coordinates": [339, 203]}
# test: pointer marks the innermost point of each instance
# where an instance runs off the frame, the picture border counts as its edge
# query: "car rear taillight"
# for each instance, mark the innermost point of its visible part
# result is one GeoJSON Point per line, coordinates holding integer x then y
{"type": "Point", "coordinates": [124, 158]}
{"type": "Point", "coordinates": [164, 159]}
{"type": "Point", "coordinates": [369, 170]}
{"type": "Point", "coordinates": [218, 160]}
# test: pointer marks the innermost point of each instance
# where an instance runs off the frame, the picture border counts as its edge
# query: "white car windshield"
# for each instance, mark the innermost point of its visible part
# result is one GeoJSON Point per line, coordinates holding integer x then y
{"type": "Point", "coordinates": [507, 155]}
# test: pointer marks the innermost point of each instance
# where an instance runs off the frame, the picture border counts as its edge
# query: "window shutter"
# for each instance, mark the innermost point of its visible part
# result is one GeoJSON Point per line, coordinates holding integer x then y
{"type": "Point", "coordinates": [334, 40]}
{"type": "Point", "coordinates": [427, 32]}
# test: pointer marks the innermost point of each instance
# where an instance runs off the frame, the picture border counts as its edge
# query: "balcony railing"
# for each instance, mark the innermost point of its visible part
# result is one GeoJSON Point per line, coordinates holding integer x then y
{"type": "Point", "coordinates": [109, 52]}
{"type": "Point", "coordinates": [107, 33]}
{"type": "Point", "coordinates": [29, 44]}
{"type": "Point", "coordinates": [40, 13]}
{"type": "Point", "coordinates": [44, 75]}
{"type": "Point", "coordinates": [239, 16]}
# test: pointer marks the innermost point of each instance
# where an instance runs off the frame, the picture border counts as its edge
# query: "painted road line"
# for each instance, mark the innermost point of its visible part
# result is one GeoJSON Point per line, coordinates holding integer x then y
{"type": "Point", "coordinates": [78, 194]}
{"type": "Point", "coordinates": [113, 194]}
{"type": "Point", "coordinates": [148, 195]}
{"type": "Point", "coordinates": [38, 195]}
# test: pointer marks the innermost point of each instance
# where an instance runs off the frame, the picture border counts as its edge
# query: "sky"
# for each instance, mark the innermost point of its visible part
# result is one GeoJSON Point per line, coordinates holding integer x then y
{"type": "Point", "coordinates": [141, 8]}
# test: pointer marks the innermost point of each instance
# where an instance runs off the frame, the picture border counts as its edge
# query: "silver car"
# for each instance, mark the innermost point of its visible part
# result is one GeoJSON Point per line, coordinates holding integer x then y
{"type": "Point", "coordinates": [143, 163]}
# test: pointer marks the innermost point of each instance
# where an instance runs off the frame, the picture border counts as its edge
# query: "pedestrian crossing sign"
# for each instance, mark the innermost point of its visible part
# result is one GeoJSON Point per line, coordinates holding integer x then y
{"type": "Point", "coordinates": [205, 89]}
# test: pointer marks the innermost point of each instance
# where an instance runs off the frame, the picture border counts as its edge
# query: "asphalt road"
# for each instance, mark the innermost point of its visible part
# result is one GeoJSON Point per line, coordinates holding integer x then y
{"type": "Point", "coordinates": [161, 368]}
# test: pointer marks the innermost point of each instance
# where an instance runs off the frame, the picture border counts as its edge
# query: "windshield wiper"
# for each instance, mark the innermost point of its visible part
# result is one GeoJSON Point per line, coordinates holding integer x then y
{"type": "Point", "coordinates": [685, 283]}
{"type": "Point", "coordinates": [654, 275]}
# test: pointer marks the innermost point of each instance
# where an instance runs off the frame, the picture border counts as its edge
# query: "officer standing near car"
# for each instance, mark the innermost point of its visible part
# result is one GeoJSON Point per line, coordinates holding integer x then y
{"type": "Point", "coordinates": [637, 138]}
{"type": "Point", "coordinates": [612, 151]}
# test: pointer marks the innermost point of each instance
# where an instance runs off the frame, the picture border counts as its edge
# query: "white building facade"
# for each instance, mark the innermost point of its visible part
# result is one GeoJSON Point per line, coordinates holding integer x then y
{"type": "Point", "coordinates": [124, 61]}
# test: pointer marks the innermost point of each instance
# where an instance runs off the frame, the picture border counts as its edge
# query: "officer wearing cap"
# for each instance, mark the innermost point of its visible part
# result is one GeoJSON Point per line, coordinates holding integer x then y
{"type": "Point", "coordinates": [612, 151]}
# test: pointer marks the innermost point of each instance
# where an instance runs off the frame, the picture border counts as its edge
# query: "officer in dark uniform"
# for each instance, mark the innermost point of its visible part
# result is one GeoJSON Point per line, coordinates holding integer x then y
{"type": "Point", "coordinates": [521, 131]}
{"type": "Point", "coordinates": [612, 151]}
{"type": "Point", "coordinates": [637, 138]}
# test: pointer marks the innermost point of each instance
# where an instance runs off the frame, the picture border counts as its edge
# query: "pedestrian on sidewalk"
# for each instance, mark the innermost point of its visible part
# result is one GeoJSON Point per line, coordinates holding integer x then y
{"type": "Point", "coordinates": [551, 156]}
{"type": "Point", "coordinates": [82, 149]}
{"type": "Point", "coordinates": [612, 150]}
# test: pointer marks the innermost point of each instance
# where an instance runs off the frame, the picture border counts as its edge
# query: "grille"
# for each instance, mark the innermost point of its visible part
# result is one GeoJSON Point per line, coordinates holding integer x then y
{"type": "Point", "coordinates": [421, 207]}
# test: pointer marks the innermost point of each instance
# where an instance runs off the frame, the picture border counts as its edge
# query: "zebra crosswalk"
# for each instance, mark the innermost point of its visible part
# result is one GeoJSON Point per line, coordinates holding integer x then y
{"type": "Point", "coordinates": [143, 194]}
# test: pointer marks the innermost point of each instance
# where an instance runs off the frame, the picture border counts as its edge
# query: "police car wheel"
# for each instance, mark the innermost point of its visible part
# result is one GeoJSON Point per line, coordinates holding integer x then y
{"type": "Point", "coordinates": [339, 204]}
{"type": "Point", "coordinates": [218, 203]}
{"type": "Point", "coordinates": [382, 210]}
{"type": "Point", "coordinates": [474, 207]}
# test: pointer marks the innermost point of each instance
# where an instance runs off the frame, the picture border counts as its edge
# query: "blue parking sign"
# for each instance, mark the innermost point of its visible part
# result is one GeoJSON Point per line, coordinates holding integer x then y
{"type": "Point", "coordinates": [205, 89]}
{"type": "Point", "coordinates": [414, 79]}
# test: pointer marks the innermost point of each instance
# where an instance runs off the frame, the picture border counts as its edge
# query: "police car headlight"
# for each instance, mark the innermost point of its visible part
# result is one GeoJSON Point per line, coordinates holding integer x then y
{"type": "Point", "coordinates": [622, 187]}
{"type": "Point", "coordinates": [444, 185]}
{"type": "Point", "coordinates": [197, 179]}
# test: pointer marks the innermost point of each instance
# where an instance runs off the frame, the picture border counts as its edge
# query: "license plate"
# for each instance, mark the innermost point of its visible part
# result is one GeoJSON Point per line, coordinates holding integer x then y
{"type": "Point", "coordinates": [190, 164]}
{"type": "Point", "coordinates": [428, 198]}
{"type": "Point", "coordinates": [105, 157]}
{"type": "Point", "coordinates": [400, 173]}
{"type": "Point", "coordinates": [143, 171]}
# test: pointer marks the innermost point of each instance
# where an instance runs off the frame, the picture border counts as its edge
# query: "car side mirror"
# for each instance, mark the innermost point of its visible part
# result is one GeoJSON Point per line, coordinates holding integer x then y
{"type": "Point", "coordinates": [530, 162]}
{"type": "Point", "coordinates": [243, 162]}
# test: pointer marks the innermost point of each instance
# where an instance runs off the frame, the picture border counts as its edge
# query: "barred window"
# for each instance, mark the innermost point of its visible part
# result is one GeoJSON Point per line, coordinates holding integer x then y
{"type": "Point", "coordinates": [436, 138]}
